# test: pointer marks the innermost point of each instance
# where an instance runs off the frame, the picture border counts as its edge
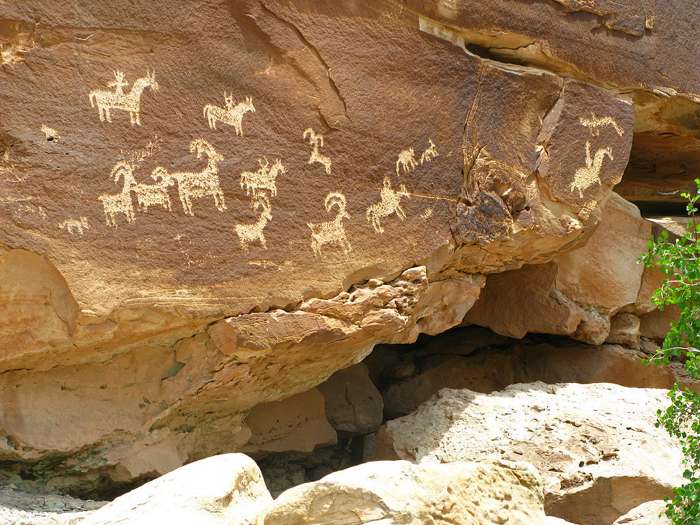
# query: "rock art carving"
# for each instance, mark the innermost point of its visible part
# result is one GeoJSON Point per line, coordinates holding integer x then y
{"type": "Point", "coordinates": [426, 213]}
{"type": "Point", "coordinates": [119, 203]}
{"type": "Point", "coordinates": [197, 184]}
{"type": "Point", "coordinates": [390, 203]}
{"type": "Point", "coordinates": [331, 232]}
{"type": "Point", "coordinates": [154, 194]}
{"type": "Point", "coordinates": [594, 123]}
{"type": "Point", "coordinates": [249, 233]}
{"type": "Point", "coordinates": [430, 153]}
{"type": "Point", "coordinates": [117, 99]}
{"type": "Point", "coordinates": [50, 133]}
{"type": "Point", "coordinates": [316, 156]}
{"type": "Point", "coordinates": [406, 161]}
{"type": "Point", "coordinates": [264, 178]}
{"type": "Point", "coordinates": [232, 114]}
{"type": "Point", "coordinates": [589, 174]}
{"type": "Point", "coordinates": [75, 226]}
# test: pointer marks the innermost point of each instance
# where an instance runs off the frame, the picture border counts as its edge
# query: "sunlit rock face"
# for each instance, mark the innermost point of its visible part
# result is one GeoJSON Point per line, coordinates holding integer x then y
{"type": "Point", "coordinates": [208, 207]}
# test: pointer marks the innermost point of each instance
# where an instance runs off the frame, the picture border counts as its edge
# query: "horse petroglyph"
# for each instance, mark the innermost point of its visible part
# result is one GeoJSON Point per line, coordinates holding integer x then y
{"type": "Point", "coordinates": [589, 174]}
{"type": "Point", "coordinates": [117, 99]}
{"type": "Point", "coordinates": [196, 184]}
{"type": "Point", "coordinates": [430, 153]}
{"type": "Point", "coordinates": [264, 178]}
{"type": "Point", "coordinates": [594, 123]}
{"type": "Point", "coordinates": [232, 114]}
{"type": "Point", "coordinates": [406, 161]}
{"type": "Point", "coordinates": [75, 226]}
{"type": "Point", "coordinates": [316, 156]}
{"type": "Point", "coordinates": [390, 203]}
{"type": "Point", "coordinates": [331, 232]}
{"type": "Point", "coordinates": [249, 233]}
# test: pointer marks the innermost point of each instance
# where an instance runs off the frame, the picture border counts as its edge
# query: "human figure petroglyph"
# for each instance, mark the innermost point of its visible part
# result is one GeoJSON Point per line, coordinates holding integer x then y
{"type": "Point", "coordinates": [390, 203]}
{"type": "Point", "coordinates": [406, 161]}
{"type": "Point", "coordinates": [200, 184]}
{"type": "Point", "coordinates": [594, 123]}
{"type": "Point", "coordinates": [589, 174]}
{"type": "Point", "coordinates": [264, 178]}
{"type": "Point", "coordinates": [230, 114]}
{"type": "Point", "coordinates": [75, 226]}
{"type": "Point", "coordinates": [430, 153]}
{"type": "Point", "coordinates": [250, 233]}
{"type": "Point", "coordinates": [120, 202]}
{"type": "Point", "coordinates": [316, 142]}
{"type": "Point", "coordinates": [117, 99]}
{"type": "Point", "coordinates": [331, 232]}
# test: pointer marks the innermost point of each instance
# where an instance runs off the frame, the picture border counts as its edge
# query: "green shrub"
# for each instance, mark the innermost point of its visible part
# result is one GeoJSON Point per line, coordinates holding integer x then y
{"type": "Point", "coordinates": [679, 260]}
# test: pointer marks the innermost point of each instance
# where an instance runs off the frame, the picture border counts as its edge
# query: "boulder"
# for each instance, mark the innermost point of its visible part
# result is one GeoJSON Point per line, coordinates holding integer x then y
{"type": "Point", "coordinates": [295, 424]}
{"type": "Point", "coordinates": [596, 446]}
{"type": "Point", "coordinates": [649, 513]}
{"type": "Point", "coordinates": [353, 403]}
{"type": "Point", "coordinates": [215, 491]}
{"type": "Point", "coordinates": [580, 291]}
{"type": "Point", "coordinates": [402, 492]}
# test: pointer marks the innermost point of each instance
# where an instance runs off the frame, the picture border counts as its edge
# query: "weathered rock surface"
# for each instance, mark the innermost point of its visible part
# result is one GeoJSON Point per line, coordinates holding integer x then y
{"type": "Point", "coordinates": [579, 292]}
{"type": "Point", "coordinates": [163, 273]}
{"type": "Point", "coordinates": [401, 492]}
{"type": "Point", "coordinates": [218, 490]}
{"type": "Point", "coordinates": [649, 513]}
{"type": "Point", "coordinates": [596, 446]}
{"type": "Point", "coordinates": [353, 403]}
{"type": "Point", "coordinates": [295, 424]}
{"type": "Point", "coordinates": [493, 370]}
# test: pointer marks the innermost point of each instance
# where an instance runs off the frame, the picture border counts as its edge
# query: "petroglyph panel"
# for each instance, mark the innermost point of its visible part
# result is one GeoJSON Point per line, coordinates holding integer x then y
{"type": "Point", "coordinates": [389, 204]}
{"type": "Point", "coordinates": [430, 152]}
{"type": "Point", "coordinates": [118, 99]}
{"type": "Point", "coordinates": [406, 161]}
{"type": "Point", "coordinates": [196, 185]}
{"type": "Point", "coordinates": [264, 179]}
{"type": "Point", "coordinates": [75, 226]}
{"type": "Point", "coordinates": [587, 175]}
{"type": "Point", "coordinates": [251, 233]}
{"type": "Point", "coordinates": [231, 114]}
{"type": "Point", "coordinates": [316, 142]}
{"type": "Point", "coordinates": [331, 233]}
{"type": "Point", "coordinates": [594, 123]}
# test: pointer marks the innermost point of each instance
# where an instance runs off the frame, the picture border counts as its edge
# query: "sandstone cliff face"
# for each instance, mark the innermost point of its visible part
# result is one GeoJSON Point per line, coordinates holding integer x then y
{"type": "Point", "coordinates": [208, 208]}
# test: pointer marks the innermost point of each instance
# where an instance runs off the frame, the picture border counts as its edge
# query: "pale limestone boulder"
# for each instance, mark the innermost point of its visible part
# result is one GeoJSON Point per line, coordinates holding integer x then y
{"type": "Point", "coordinates": [551, 520]}
{"type": "Point", "coordinates": [295, 424]}
{"type": "Point", "coordinates": [218, 490]}
{"type": "Point", "coordinates": [596, 446]}
{"type": "Point", "coordinates": [353, 403]}
{"type": "Point", "coordinates": [649, 513]}
{"type": "Point", "coordinates": [393, 492]}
